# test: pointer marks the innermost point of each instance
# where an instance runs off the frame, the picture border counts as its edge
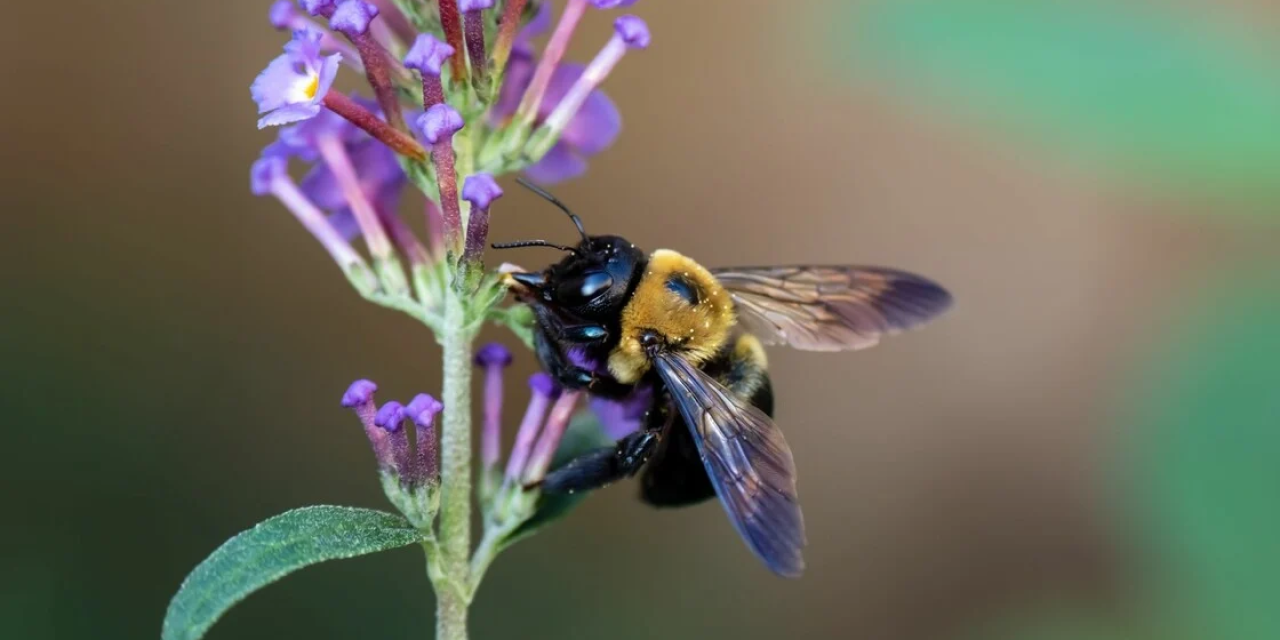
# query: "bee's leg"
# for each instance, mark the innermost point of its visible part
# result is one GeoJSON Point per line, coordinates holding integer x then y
{"type": "Point", "coordinates": [598, 468]}
{"type": "Point", "coordinates": [585, 334]}
{"type": "Point", "coordinates": [557, 366]}
{"type": "Point", "coordinates": [555, 326]}
{"type": "Point", "coordinates": [571, 376]}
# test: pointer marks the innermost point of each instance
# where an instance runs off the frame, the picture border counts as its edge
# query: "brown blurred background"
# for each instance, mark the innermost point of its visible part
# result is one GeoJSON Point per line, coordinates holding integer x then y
{"type": "Point", "coordinates": [173, 348]}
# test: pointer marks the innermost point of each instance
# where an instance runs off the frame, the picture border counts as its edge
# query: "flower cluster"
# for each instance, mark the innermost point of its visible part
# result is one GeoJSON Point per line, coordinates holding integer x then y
{"type": "Point", "coordinates": [404, 444]}
{"type": "Point", "coordinates": [460, 95]}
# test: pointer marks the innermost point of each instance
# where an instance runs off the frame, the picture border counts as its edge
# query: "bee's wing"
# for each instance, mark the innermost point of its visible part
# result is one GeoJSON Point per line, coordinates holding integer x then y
{"type": "Point", "coordinates": [834, 308]}
{"type": "Point", "coordinates": [748, 462]}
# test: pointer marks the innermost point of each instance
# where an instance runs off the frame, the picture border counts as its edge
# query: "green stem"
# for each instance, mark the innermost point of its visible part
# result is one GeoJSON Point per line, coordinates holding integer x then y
{"type": "Point", "coordinates": [485, 554]}
{"type": "Point", "coordinates": [455, 472]}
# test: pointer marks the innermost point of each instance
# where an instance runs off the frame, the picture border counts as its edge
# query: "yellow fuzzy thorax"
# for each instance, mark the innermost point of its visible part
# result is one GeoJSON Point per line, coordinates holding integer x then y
{"type": "Point", "coordinates": [696, 331]}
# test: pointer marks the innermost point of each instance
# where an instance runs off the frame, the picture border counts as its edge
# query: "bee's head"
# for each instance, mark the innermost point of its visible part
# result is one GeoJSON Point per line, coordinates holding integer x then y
{"type": "Point", "coordinates": [591, 282]}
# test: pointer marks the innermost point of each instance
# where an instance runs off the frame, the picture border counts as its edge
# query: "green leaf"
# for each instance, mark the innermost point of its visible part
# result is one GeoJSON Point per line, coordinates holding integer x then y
{"type": "Point", "coordinates": [1203, 460]}
{"type": "Point", "coordinates": [1148, 94]}
{"type": "Point", "coordinates": [583, 435]}
{"type": "Point", "coordinates": [273, 549]}
{"type": "Point", "coordinates": [518, 318]}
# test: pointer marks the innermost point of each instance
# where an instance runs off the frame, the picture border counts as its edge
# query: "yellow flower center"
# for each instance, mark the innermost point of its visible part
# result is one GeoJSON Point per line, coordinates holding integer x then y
{"type": "Point", "coordinates": [312, 86]}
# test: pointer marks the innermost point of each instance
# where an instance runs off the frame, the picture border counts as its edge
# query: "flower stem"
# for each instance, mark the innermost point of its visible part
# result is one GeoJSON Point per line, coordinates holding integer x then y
{"type": "Point", "coordinates": [455, 471]}
{"type": "Point", "coordinates": [399, 142]}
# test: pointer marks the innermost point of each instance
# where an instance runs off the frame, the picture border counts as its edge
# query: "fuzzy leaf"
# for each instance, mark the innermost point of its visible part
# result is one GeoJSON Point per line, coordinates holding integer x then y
{"type": "Point", "coordinates": [273, 549]}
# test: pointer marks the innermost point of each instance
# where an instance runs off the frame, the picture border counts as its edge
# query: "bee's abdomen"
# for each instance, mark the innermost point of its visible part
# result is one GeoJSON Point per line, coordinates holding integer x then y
{"type": "Point", "coordinates": [742, 367]}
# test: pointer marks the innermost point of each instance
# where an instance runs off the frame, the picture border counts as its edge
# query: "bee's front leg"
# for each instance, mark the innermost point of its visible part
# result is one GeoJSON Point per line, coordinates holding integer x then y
{"type": "Point", "coordinates": [603, 466]}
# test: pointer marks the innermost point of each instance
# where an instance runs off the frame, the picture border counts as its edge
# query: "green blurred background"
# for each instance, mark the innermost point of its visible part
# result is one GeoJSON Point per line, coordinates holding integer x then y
{"type": "Point", "coordinates": [1084, 448]}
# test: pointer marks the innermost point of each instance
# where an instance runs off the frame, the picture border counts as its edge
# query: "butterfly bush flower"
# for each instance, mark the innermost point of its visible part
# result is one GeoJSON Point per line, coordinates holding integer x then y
{"type": "Point", "coordinates": [456, 97]}
{"type": "Point", "coordinates": [293, 85]}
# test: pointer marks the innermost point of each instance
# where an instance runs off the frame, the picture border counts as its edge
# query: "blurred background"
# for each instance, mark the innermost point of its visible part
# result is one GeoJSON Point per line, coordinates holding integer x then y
{"type": "Point", "coordinates": [1084, 448]}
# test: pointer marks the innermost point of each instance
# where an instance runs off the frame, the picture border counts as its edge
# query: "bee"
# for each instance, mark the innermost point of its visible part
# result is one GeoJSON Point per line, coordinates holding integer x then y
{"type": "Point", "coordinates": [611, 320]}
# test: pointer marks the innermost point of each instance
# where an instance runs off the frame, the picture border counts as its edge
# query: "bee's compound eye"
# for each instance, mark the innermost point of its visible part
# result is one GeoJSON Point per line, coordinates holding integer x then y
{"type": "Point", "coordinates": [593, 283]}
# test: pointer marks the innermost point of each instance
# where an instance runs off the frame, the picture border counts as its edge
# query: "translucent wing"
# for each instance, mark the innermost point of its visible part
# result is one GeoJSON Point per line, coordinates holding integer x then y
{"type": "Point", "coordinates": [747, 460]}
{"type": "Point", "coordinates": [830, 308]}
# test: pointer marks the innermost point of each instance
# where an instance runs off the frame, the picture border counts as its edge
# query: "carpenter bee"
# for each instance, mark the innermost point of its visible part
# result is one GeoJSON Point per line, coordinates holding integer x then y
{"type": "Point", "coordinates": [610, 320]}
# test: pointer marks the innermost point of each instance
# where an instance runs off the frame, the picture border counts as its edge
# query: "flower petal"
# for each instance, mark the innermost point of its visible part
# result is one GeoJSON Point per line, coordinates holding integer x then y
{"type": "Point", "coordinates": [619, 418]}
{"type": "Point", "coordinates": [596, 125]}
{"type": "Point", "coordinates": [560, 164]}
{"type": "Point", "coordinates": [597, 122]}
{"type": "Point", "coordinates": [275, 82]}
{"type": "Point", "coordinates": [288, 114]}
{"type": "Point", "coordinates": [328, 71]}
{"type": "Point", "coordinates": [344, 222]}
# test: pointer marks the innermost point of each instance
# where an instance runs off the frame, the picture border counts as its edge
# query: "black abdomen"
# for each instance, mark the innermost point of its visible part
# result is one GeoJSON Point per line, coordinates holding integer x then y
{"type": "Point", "coordinates": [676, 475]}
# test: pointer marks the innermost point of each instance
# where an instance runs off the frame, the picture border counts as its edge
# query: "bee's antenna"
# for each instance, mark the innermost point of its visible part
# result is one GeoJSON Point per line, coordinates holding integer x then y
{"type": "Point", "coordinates": [533, 243]}
{"type": "Point", "coordinates": [542, 193]}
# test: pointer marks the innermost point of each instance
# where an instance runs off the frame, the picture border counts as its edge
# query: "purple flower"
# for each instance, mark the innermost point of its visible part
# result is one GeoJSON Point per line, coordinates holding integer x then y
{"type": "Point", "coordinates": [540, 24]}
{"type": "Point", "coordinates": [353, 17]}
{"type": "Point", "coordinates": [427, 55]}
{"type": "Point", "coordinates": [319, 7]}
{"type": "Point", "coordinates": [619, 418]}
{"type": "Point", "coordinates": [283, 14]}
{"type": "Point", "coordinates": [381, 179]}
{"type": "Point", "coordinates": [439, 123]}
{"type": "Point", "coordinates": [612, 4]}
{"type": "Point", "coordinates": [633, 31]}
{"type": "Point", "coordinates": [378, 170]}
{"type": "Point", "coordinates": [359, 398]}
{"type": "Point", "coordinates": [265, 172]}
{"type": "Point", "coordinates": [359, 393]}
{"type": "Point", "coordinates": [494, 358]}
{"type": "Point", "coordinates": [544, 392]}
{"type": "Point", "coordinates": [592, 129]}
{"type": "Point", "coordinates": [293, 85]}
{"type": "Point", "coordinates": [390, 416]}
{"type": "Point", "coordinates": [299, 140]}
{"type": "Point", "coordinates": [481, 190]}
{"type": "Point", "coordinates": [423, 410]}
